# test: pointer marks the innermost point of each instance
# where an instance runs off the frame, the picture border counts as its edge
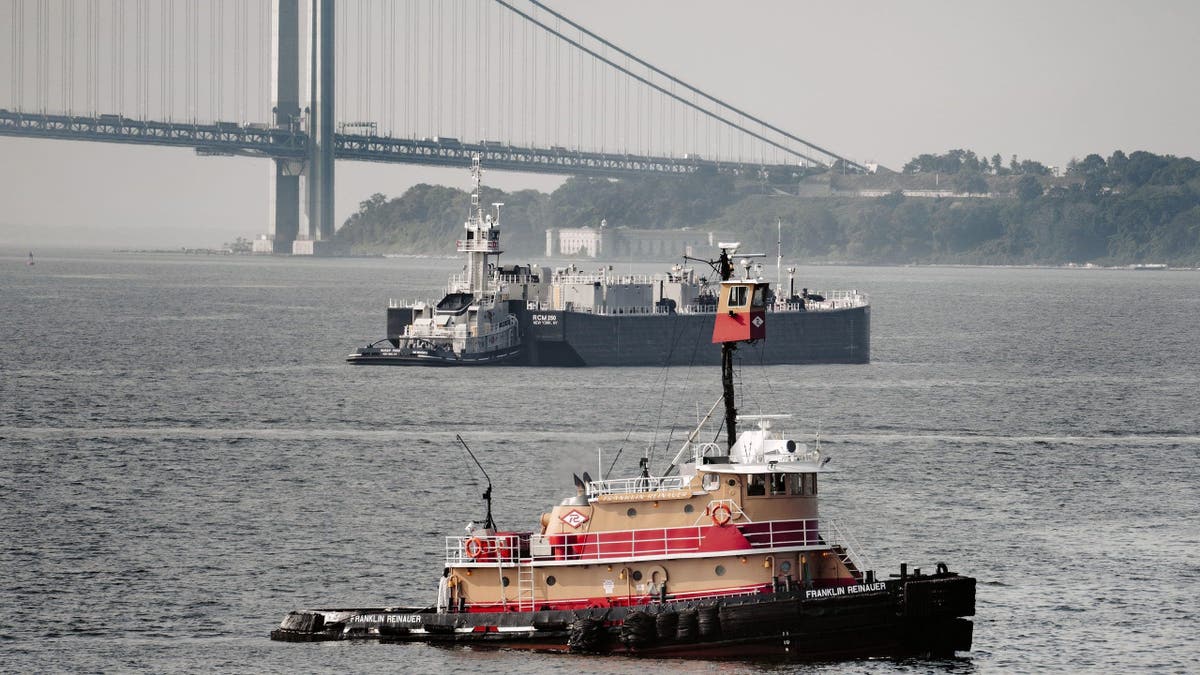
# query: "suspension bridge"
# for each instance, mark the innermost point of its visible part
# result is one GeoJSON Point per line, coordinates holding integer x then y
{"type": "Point", "coordinates": [434, 82]}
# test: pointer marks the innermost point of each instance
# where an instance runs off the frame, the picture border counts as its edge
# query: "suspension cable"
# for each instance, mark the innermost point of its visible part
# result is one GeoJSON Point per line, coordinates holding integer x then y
{"type": "Point", "coordinates": [695, 90]}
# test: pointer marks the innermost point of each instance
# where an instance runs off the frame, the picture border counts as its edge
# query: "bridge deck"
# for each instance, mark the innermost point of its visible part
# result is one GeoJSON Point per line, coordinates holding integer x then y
{"type": "Point", "coordinates": [259, 140]}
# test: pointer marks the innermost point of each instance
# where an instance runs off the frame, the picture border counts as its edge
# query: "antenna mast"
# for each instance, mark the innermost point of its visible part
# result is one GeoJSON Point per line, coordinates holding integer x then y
{"type": "Point", "coordinates": [487, 494]}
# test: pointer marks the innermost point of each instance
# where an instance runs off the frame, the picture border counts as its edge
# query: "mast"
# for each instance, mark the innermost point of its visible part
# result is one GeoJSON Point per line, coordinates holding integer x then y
{"type": "Point", "coordinates": [482, 236]}
{"type": "Point", "coordinates": [779, 256]}
{"type": "Point", "coordinates": [740, 318]}
{"type": "Point", "coordinates": [725, 269]}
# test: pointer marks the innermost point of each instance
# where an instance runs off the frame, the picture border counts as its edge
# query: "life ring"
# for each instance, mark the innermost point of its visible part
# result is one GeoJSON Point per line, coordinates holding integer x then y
{"type": "Point", "coordinates": [477, 547]}
{"type": "Point", "coordinates": [721, 515]}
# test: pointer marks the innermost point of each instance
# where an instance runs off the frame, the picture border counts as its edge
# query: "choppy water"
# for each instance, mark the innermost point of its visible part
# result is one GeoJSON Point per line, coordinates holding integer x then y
{"type": "Point", "coordinates": [185, 458]}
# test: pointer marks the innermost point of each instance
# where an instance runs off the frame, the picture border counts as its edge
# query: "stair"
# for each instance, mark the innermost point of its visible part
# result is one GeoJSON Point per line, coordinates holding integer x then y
{"type": "Point", "coordinates": [525, 595]}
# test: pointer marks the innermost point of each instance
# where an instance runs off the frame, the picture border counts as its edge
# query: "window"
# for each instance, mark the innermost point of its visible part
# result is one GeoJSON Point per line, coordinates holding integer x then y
{"type": "Point", "coordinates": [759, 297]}
{"type": "Point", "coordinates": [710, 482]}
{"type": "Point", "coordinates": [779, 483]}
{"type": "Point", "coordinates": [808, 485]}
{"type": "Point", "coordinates": [737, 296]}
{"type": "Point", "coordinates": [797, 483]}
{"type": "Point", "coordinates": [757, 486]}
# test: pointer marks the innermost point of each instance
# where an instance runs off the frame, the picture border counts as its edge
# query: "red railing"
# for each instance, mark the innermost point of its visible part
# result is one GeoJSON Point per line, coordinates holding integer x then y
{"type": "Point", "coordinates": [512, 546]}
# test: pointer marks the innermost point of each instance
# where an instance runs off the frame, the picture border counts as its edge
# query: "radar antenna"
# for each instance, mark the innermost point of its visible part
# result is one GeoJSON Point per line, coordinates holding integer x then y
{"type": "Point", "coordinates": [488, 523]}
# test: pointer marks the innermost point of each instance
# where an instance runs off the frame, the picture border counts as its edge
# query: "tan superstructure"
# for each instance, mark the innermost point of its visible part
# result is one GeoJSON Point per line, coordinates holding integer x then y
{"type": "Point", "coordinates": [746, 522]}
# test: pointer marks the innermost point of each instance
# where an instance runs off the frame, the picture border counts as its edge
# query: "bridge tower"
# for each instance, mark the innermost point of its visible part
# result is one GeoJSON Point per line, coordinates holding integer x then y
{"type": "Point", "coordinates": [317, 120]}
{"type": "Point", "coordinates": [319, 182]}
{"type": "Point", "coordinates": [285, 173]}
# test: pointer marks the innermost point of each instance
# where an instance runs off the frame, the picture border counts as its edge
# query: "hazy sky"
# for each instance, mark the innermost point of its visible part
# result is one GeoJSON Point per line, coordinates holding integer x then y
{"type": "Point", "coordinates": [872, 80]}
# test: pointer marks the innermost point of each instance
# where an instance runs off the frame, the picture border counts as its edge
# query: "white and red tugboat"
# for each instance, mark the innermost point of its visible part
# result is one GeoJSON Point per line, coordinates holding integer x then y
{"type": "Point", "coordinates": [472, 324]}
{"type": "Point", "coordinates": [722, 555]}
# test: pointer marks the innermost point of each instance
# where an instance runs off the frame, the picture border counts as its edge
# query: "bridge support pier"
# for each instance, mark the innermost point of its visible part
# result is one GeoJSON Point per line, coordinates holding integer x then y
{"type": "Point", "coordinates": [309, 180]}
{"type": "Point", "coordinates": [285, 174]}
{"type": "Point", "coordinates": [319, 176]}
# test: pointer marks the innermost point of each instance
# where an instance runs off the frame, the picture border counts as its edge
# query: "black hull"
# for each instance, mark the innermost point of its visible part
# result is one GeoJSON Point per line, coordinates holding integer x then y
{"type": "Point", "coordinates": [923, 616]}
{"type": "Point", "coordinates": [375, 356]}
{"type": "Point", "coordinates": [578, 339]}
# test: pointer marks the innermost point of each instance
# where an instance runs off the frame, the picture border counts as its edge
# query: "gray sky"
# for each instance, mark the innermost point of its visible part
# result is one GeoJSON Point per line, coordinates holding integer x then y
{"type": "Point", "coordinates": [873, 80]}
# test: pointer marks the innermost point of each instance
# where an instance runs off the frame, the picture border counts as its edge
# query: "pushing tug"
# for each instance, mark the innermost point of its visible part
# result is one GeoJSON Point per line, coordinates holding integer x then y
{"type": "Point", "coordinates": [723, 554]}
{"type": "Point", "coordinates": [472, 324]}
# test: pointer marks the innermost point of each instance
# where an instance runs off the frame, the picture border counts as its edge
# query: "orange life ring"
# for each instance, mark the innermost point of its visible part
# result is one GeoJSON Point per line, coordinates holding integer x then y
{"type": "Point", "coordinates": [477, 547]}
{"type": "Point", "coordinates": [721, 515]}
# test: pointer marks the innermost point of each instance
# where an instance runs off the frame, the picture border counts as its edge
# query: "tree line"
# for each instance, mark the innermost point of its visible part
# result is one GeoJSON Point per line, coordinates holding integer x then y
{"type": "Point", "coordinates": [1121, 209]}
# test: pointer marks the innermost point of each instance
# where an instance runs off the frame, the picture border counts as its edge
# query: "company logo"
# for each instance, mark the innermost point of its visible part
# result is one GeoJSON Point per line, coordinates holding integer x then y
{"type": "Point", "coordinates": [573, 518]}
{"type": "Point", "coordinates": [758, 322]}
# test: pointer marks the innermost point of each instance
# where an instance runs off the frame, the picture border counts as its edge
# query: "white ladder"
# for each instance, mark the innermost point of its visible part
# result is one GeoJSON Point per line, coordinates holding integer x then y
{"type": "Point", "coordinates": [525, 595]}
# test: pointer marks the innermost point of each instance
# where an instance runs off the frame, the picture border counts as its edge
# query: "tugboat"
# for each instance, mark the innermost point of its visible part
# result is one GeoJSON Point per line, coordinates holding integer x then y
{"type": "Point", "coordinates": [471, 325]}
{"type": "Point", "coordinates": [722, 555]}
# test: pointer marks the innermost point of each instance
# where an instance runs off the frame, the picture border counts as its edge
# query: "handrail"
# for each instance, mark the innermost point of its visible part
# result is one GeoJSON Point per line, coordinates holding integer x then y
{"type": "Point", "coordinates": [636, 484]}
{"type": "Point", "coordinates": [836, 536]}
{"type": "Point", "coordinates": [510, 549]}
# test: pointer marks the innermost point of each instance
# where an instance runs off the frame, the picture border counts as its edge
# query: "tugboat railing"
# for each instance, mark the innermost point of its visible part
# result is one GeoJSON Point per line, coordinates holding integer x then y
{"type": "Point", "coordinates": [836, 536]}
{"type": "Point", "coordinates": [616, 486]}
{"type": "Point", "coordinates": [513, 548]}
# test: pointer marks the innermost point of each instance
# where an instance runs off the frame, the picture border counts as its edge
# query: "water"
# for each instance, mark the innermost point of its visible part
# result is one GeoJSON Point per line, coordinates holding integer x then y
{"type": "Point", "coordinates": [186, 458]}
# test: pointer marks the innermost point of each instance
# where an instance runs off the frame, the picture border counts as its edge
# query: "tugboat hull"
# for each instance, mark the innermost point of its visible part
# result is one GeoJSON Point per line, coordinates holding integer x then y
{"type": "Point", "coordinates": [914, 616]}
{"type": "Point", "coordinates": [389, 356]}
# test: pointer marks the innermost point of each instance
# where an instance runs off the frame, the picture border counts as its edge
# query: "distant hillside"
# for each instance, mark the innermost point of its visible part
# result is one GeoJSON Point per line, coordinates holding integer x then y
{"type": "Point", "coordinates": [952, 208]}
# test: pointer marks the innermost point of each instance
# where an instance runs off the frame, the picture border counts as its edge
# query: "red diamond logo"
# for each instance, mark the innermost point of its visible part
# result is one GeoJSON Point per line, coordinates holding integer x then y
{"type": "Point", "coordinates": [573, 518]}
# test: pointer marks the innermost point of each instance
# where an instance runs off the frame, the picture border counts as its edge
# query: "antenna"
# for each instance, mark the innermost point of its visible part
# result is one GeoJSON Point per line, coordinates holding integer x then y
{"type": "Point", "coordinates": [487, 494]}
{"type": "Point", "coordinates": [779, 255]}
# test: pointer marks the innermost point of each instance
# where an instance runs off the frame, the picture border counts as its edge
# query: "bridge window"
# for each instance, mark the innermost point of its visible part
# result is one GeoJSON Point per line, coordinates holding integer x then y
{"type": "Point", "coordinates": [737, 296]}
{"type": "Point", "coordinates": [797, 483]}
{"type": "Point", "coordinates": [779, 483]}
{"type": "Point", "coordinates": [759, 297]}
{"type": "Point", "coordinates": [806, 484]}
{"type": "Point", "coordinates": [757, 486]}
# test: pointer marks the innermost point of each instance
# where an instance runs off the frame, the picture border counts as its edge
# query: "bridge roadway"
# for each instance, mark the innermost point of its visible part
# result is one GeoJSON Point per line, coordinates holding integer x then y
{"type": "Point", "coordinates": [261, 140]}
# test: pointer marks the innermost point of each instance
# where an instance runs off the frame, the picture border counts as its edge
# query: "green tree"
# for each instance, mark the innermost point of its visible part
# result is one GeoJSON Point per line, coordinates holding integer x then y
{"type": "Point", "coordinates": [1029, 188]}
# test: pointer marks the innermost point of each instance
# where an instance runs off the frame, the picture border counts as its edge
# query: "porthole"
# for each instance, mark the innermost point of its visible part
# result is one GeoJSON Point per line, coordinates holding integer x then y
{"type": "Point", "coordinates": [637, 575]}
{"type": "Point", "coordinates": [785, 566]}
{"type": "Point", "coordinates": [720, 570]}
{"type": "Point", "coordinates": [688, 508]}
{"type": "Point", "coordinates": [504, 581]}
{"type": "Point", "coordinates": [550, 580]}
{"type": "Point", "coordinates": [631, 512]}
{"type": "Point", "coordinates": [732, 482]}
